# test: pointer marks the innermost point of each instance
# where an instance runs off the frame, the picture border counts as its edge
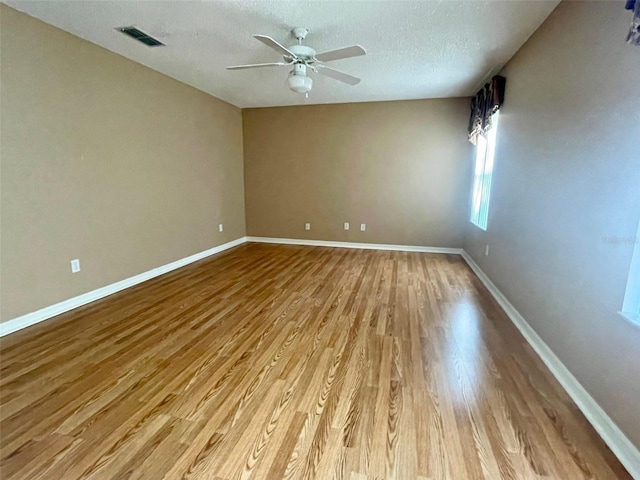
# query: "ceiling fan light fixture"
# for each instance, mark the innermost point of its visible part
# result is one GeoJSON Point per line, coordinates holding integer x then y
{"type": "Point", "coordinates": [298, 80]}
{"type": "Point", "coordinates": [299, 83]}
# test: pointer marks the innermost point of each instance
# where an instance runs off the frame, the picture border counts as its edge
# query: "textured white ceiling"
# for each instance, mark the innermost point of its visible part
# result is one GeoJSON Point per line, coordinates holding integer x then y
{"type": "Point", "coordinates": [415, 49]}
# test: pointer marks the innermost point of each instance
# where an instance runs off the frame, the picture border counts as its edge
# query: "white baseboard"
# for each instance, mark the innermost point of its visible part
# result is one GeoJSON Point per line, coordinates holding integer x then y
{"type": "Point", "coordinates": [365, 246]}
{"type": "Point", "coordinates": [620, 445]}
{"type": "Point", "coordinates": [38, 316]}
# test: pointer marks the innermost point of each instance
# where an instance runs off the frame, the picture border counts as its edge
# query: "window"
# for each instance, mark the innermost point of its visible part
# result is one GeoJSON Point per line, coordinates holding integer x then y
{"type": "Point", "coordinates": [485, 150]}
{"type": "Point", "coordinates": [631, 305]}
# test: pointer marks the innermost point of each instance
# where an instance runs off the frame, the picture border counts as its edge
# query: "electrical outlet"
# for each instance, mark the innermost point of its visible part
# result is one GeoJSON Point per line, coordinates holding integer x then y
{"type": "Point", "coordinates": [346, 225]}
{"type": "Point", "coordinates": [363, 227]}
{"type": "Point", "coordinates": [75, 265]}
{"type": "Point", "coordinates": [220, 227]}
{"type": "Point", "coordinates": [486, 251]}
{"type": "Point", "coordinates": [307, 226]}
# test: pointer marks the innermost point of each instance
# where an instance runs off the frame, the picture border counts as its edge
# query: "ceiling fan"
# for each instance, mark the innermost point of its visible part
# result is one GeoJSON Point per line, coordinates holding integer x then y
{"type": "Point", "coordinates": [301, 57]}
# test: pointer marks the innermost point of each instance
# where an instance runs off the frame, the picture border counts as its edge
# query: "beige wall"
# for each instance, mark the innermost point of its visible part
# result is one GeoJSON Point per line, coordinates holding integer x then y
{"type": "Point", "coordinates": [567, 175]}
{"type": "Point", "coordinates": [106, 161]}
{"type": "Point", "coordinates": [399, 167]}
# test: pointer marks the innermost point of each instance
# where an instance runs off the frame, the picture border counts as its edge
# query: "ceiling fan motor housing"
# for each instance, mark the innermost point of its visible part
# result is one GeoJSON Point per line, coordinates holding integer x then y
{"type": "Point", "coordinates": [302, 51]}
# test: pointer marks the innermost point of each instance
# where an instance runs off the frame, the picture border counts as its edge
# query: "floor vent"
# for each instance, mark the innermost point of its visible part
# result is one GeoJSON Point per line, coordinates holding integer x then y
{"type": "Point", "coordinates": [140, 36]}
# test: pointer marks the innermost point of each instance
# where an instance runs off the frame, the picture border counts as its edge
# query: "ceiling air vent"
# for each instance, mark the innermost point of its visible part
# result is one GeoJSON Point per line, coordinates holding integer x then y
{"type": "Point", "coordinates": [140, 36]}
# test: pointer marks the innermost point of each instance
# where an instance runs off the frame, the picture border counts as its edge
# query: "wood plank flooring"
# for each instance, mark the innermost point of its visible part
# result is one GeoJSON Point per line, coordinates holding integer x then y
{"type": "Point", "coordinates": [272, 362]}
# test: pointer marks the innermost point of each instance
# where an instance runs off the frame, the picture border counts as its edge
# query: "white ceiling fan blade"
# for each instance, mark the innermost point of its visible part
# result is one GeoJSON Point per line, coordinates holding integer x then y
{"type": "Point", "coordinates": [346, 52]}
{"type": "Point", "coordinates": [336, 75]}
{"type": "Point", "coordinates": [258, 65]}
{"type": "Point", "coordinates": [270, 42]}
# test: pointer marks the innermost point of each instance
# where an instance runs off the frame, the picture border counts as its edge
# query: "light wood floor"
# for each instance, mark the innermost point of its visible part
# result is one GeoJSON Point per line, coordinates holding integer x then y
{"type": "Point", "coordinates": [272, 362]}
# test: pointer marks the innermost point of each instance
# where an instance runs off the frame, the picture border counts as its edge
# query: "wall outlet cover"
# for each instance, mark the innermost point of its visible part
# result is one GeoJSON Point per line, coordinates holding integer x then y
{"type": "Point", "coordinates": [75, 265]}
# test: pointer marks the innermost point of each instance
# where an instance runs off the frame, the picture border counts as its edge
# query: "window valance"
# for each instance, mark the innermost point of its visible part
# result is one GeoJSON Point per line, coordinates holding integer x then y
{"type": "Point", "coordinates": [633, 37]}
{"type": "Point", "coordinates": [483, 105]}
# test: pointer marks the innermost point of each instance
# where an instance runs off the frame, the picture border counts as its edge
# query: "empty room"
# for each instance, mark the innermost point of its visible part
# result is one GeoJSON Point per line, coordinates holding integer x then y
{"type": "Point", "coordinates": [320, 239]}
